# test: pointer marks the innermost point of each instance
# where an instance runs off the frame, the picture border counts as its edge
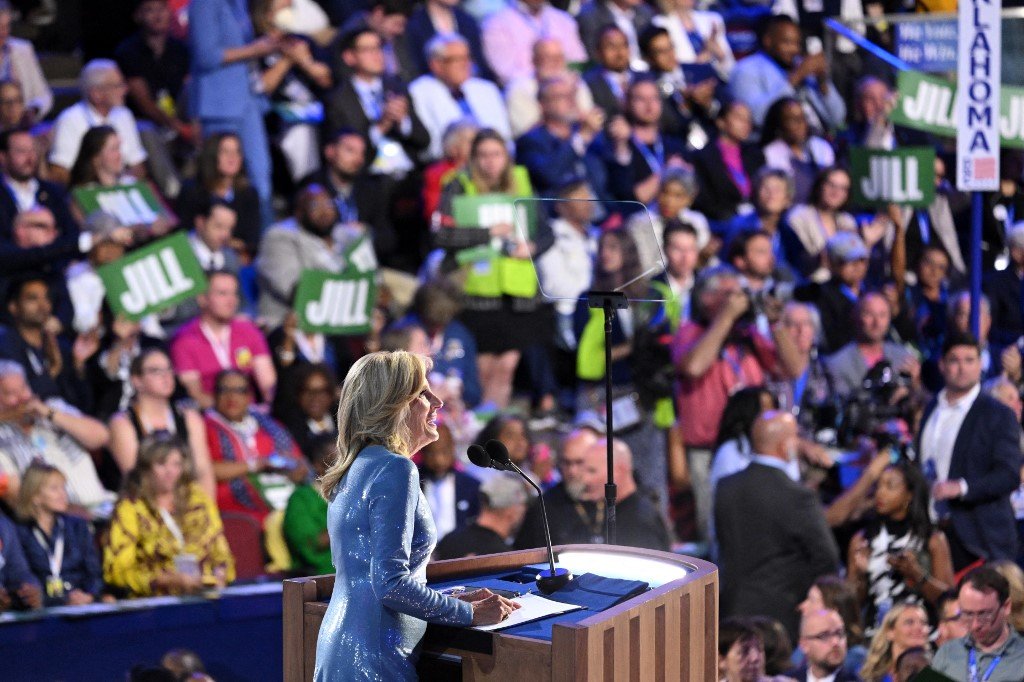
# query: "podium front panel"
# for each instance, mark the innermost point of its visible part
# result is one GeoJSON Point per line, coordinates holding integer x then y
{"type": "Point", "coordinates": [669, 632]}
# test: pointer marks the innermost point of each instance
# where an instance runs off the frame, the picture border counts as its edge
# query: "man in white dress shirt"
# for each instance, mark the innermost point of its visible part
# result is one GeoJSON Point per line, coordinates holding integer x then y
{"type": "Point", "coordinates": [449, 93]}
{"type": "Point", "coordinates": [103, 90]}
{"type": "Point", "coordinates": [969, 448]}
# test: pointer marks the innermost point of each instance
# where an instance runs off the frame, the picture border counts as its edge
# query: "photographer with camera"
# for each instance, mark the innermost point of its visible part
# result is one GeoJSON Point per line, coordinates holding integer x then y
{"type": "Point", "coordinates": [716, 353]}
{"type": "Point", "coordinates": [850, 364]}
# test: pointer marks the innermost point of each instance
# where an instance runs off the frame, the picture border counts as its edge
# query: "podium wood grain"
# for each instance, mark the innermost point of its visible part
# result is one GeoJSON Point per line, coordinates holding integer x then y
{"type": "Point", "coordinates": [666, 634]}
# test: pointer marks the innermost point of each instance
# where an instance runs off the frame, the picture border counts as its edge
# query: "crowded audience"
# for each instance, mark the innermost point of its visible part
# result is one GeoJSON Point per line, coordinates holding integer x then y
{"type": "Point", "coordinates": [797, 389]}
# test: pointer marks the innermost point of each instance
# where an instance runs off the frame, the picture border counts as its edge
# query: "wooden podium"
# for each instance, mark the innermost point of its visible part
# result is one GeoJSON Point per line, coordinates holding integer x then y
{"type": "Point", "coordinates": [667, 633]}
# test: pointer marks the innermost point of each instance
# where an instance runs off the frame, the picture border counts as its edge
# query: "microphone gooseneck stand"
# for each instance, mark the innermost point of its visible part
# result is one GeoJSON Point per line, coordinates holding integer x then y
{"type": "Point", "coordinates": [609, 302]}
{"type": "Point", "coordinates": [494, 455]}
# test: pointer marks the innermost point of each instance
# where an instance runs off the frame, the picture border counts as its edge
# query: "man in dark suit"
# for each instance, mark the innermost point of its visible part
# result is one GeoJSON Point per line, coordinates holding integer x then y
{"type": "Point", "coordinates": [772, 534]}
{"type": "Point", "coordinates": [389, 19]}
{"type": "Point", "coordinates": [355, 193]}
{"type": "Point", "coordinates": [375, 105]}
{"type": "Point", "coordinates": [22, 189]}
{"type": "Point", "coordinates": [823, 641]}
{"type": "Point", "coordinates": [453, 495]}
{"type": "Point", "coordinates": [969, 447]}
{"type": "Point", "coordinates": [633, 16]}
{"type": "Point", "coordinates": [610, 77]}
{"type": "Point", "coordinates": [378, 106]}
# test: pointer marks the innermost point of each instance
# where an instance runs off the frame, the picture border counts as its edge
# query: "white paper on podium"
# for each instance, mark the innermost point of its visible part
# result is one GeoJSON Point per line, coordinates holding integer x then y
{"type": "Point", "coordinates": [531, 607]}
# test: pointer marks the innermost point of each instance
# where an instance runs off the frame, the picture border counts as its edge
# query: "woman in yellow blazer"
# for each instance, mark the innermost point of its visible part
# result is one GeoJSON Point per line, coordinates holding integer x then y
{"type": "Point", "coordinates": [166, 536]}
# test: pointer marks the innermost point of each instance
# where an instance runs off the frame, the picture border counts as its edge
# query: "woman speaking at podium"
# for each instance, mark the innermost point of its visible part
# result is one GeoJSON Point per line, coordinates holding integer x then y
{"type": "Point", "coordinates": [381, 530]}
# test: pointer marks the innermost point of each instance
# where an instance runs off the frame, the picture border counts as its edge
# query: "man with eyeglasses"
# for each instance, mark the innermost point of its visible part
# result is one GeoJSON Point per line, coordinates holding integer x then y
{"type": "Point", "coordinates": [823, 641]}
{"type": "Point", "coordinates": [951, 624]}
{"type": "Point", "coordinates": [103, 92]}
{"type": "Point", "coordinates": [991, 651]}
{"type": "Point", "coordinates": [451, 92]}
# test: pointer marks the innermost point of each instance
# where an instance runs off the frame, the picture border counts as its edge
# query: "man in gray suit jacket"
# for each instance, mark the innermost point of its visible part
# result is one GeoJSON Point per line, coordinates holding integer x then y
{"type": "Point", "coordinates": [848, 366]}
{"type": "Point", "coordinates": [772, 534]}
{"type": "Point", "coordinates": [303, 242]}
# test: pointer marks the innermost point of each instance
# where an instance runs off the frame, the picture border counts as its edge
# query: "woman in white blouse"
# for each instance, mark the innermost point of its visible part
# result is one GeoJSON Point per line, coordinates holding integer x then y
{"type": "Point", "coordinates": [697, 36]}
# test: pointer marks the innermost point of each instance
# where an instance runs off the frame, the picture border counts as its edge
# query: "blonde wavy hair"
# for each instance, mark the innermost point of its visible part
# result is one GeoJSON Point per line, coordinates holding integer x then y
{"type": "Point", "coordinates": [879, 661]}
{"type": "Point", "coordinates": [374, 408]}
{"type": "Point", "coordinates": [37, 473]}
{"type": "Point", "coordinates": [1015, 577]}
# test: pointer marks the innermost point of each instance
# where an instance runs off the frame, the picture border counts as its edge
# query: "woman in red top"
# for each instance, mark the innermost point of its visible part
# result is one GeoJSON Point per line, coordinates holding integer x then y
{"type": "Point", "coordinates": [255, 461]}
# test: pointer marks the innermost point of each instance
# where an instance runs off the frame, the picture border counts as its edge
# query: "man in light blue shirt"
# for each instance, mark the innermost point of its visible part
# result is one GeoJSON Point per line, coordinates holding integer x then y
{"type": "Point", "coordinates": [780, 70]}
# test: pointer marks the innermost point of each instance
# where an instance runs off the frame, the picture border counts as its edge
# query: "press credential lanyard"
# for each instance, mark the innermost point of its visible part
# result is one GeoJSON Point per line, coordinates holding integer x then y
{"type": "Point", "coordinates": [972, 667]}
{"type": "Point", "coordinates": [172, 526]}
{"type": "Point", "coordinates": [56, 557]}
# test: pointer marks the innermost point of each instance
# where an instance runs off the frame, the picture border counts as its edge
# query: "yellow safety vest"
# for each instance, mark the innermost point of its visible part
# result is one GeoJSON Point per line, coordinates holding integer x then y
{"type": "Point", "coordinates": [496, 275]}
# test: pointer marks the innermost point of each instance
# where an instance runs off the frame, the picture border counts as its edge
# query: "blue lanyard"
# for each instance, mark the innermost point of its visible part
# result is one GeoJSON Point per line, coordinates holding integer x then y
{"type": "Point", "coordinates": [972, 667]}
{"type": "Point", "coordinates": [849, 293]}
{"type": "Point", "coordinates": [924, 226]}
{"type": "Point", "coordinates": [655, 161]}
{"type": "Point", "coordinates": [799, 386]}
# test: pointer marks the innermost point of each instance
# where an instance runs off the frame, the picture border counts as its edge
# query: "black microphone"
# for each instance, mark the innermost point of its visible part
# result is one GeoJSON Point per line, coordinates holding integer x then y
{"type": "Point", "coordinates": [549, 579]}
{"type": "Point", "coordinates": [479, 457]}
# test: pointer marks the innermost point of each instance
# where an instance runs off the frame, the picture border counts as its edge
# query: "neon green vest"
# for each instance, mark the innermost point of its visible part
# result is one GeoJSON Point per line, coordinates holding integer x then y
{"type": "Point", "coordinates": [590, 362]}
{"type": "Point", "coordinates": [590, 348]}
{"type": "Point", "coordinates": [492, 276]}
{"type": "Point", "coordinates": [673, 306]}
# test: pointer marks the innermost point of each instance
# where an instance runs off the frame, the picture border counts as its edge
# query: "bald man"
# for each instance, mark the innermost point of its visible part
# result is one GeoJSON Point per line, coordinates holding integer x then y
{"type": "Point", "coordinates": [772, 534]}
{"type": "Point", "coordinates": [823, 641]}
{"type": "Point", "coordinates": [573, 518]}
{"type": "Point", "coordinates": [638, 523]}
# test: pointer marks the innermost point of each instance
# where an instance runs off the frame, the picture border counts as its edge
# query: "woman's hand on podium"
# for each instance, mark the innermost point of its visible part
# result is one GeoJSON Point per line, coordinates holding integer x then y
{"type": "Point", "coordinates": [475, 595]}
{"type": "Point", "coordinates": [492, 609]}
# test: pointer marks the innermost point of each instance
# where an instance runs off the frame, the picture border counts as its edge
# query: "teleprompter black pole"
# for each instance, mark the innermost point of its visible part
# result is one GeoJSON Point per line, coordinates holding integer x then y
{"type": "Point", "coordinates": [609, 302]}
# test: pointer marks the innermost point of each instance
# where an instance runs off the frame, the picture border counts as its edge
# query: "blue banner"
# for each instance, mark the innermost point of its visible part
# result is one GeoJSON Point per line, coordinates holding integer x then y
{"type": "Point", "coordinates": [928, 46]}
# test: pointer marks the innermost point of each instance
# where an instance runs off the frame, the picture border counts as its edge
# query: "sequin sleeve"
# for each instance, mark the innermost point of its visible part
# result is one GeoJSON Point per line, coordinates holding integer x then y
{"type": "Point", "coordinates": [393, 495]}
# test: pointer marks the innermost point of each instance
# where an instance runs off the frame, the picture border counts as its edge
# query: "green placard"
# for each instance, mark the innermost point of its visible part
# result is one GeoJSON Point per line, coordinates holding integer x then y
{"type": "Point", "coordinates": [153, 278]}
{"type": "Point", "coordinates": [132, 204]}
{"type": "Point", "coordinates": [336, 303]}
{"type": "Point", "coordinates": [359, 256]}
{"type": "Point", "coordinates": [488, 210]}
{"type": "Point", "coordinates": [905, 176]}
{"type": "Point", "coordinates": [928, 103]}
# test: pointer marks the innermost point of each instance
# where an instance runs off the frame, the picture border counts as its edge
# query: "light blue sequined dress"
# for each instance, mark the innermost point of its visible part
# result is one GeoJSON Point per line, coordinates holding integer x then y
{"type": "Point", "coordinates": [382, 535]}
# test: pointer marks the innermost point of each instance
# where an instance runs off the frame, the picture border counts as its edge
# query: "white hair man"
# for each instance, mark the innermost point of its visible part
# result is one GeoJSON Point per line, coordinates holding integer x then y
{"type": "Point", "coordinates": [103, 91]}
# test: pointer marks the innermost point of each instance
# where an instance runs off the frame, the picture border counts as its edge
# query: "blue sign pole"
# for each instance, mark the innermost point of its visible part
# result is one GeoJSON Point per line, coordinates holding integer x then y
{"type": "Point", "coordinates": [976, 209]}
